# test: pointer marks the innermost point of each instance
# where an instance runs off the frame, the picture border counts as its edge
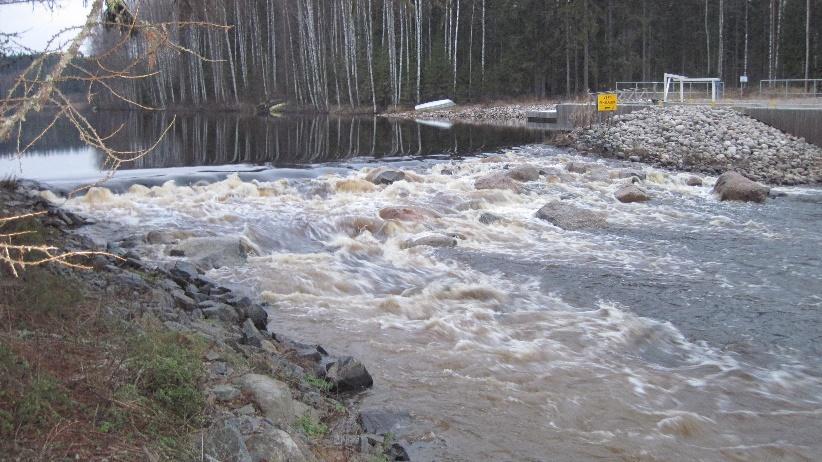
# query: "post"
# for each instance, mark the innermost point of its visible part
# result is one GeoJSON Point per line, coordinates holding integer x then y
{"type": "Point", "coordinates": [681, 90]}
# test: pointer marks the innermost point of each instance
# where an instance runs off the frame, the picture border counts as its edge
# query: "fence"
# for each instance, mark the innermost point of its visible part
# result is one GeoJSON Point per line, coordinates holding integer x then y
{"type": "Point", "coordinates": [791, 87]}
{"type": "Point", "coordinates": [645, 91]}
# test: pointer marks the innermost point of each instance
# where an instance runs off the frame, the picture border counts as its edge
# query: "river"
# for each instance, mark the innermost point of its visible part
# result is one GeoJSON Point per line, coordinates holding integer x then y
{"type": "Point", "coordinates": [687, 329]}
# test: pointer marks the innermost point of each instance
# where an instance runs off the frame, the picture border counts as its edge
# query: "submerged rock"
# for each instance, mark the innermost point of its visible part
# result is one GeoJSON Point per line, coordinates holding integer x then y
{"type": "Point", "coordinates": [489, 218]}
{"type": "Point", "coordinates": [731, 186]}
{"type": "Point", "coordinates": [570, 217]}
{"type": "Point", "coordinates": [216, 252]}
{"type": "Point", "coordinates": [498, 181]}
{"type": "Point", "coordinates": [694, 181]}
{"type": "Point", "coordinates": [631, 193]}
{"type": "Point", "coordinates": [385, 176]}
{"type": "Point", "coordinates": [524, 173]}
{"type": "Point", "coordinates": [408, 213]}
{"type": "Point", "coordinates": [432, 240]}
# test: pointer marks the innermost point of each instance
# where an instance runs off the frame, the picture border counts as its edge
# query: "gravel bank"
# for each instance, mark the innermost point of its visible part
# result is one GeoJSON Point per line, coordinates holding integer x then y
{"type": "Point", "coordinates": [705, 139]}
{"type": "Point", "coordinates": [501, 114]}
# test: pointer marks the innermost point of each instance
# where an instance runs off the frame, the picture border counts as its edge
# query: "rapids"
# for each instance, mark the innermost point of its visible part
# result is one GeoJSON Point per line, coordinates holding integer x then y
{"type": "Point", "coordinates": [687, 329]}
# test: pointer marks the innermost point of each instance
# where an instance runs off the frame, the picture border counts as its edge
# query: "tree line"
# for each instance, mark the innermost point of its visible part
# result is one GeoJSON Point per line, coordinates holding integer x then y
{"type": "Point", "coordinates": [373, 54]}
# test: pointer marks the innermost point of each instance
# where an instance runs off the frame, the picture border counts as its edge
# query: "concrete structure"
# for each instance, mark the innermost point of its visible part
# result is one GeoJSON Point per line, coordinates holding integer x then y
{"type": "Point", "coordinates": [802, 122]}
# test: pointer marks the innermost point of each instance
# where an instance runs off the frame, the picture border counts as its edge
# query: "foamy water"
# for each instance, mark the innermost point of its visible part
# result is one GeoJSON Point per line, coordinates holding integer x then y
{"type": "Point", "coordinates": [651, 339]}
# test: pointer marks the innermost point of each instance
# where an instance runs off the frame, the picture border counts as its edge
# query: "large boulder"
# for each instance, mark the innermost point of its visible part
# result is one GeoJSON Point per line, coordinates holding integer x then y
{"type": "Point", "coordinates": [348, 374]}
{"type": "Point", "coordinates": [408, 213]}
{"type": "Point", "coordinates": [216, 252]}
{"type": "Point", "coordinates": [631, 193]}
{"type": "Point", "coordinates": [498, 181]}
{"type": "Point", "coordinates": [570, 217]}
{"type": "Point", "coordinates": [732, 186]}
{"type": "Point", "coordinates": [273, 397]}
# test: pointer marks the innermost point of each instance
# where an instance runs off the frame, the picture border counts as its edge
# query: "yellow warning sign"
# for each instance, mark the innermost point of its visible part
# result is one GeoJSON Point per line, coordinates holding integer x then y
{"type": "Point", "coordinates": [607, 102]}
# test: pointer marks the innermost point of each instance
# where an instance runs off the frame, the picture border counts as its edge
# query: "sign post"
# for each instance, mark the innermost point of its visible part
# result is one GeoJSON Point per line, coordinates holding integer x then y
{"type": "Point", "coordinates": [607, 102]}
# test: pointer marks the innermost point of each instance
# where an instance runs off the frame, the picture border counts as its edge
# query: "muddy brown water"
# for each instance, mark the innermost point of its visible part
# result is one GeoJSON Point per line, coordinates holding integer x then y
{"type": "Point", "coordinates": [687, 329]}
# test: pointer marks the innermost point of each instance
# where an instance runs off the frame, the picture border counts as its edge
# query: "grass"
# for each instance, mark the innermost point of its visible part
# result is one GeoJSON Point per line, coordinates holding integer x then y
{"type": "Point", "coordinates": [310, 427]}
{"type": "Point", "coordinates": [320, 384]}
{"type": "Point", "coordinates": [78, 383]}
{"type": "Point", "coordinates": [9, 182]}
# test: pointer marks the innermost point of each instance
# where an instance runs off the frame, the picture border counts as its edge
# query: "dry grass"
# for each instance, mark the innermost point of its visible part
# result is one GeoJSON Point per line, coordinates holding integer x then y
{"type": "Point", "coordinates": [77, 384]}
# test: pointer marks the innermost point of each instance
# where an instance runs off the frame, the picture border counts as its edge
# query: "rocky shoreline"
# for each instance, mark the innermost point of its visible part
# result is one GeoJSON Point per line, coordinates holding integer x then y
{"type": "Point", "coordinates": [495, 114]}
{"type": "Point", "coordinates": [704, 139]}
{"type": "Point", "coordinates": [282, 401]}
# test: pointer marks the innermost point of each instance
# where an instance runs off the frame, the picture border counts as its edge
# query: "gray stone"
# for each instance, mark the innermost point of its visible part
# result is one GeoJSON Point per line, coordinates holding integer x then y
{"type": "Point", "coordinates": [627, 173]}
{"type": "Point", "coordinates": [273, 397]}
{"type": "Point", "coordinates": [275, 445]}
{"type": "Point", "coordinates": [524, 173]}
{"type": "Point", "coordinates": [579, 167]}
{"type": "Point", "coordinates": [225, 443]}
{"type": "Point", "coordinates": [408, 213]}
{"type": "Point", "coordinates": [631, 193]}
{"type": "Point", "coordinates": [216, 252]}
{"type": "Point", "coordinates": [381, 421]}
{"type": "Point", "coordinates": [257, 315]}
{"type": "Point", "coordinates": [432, 240]}
{"type": "Point", "coordinates": [182, 300]}
{"type": "Point", "coordinates": [225, 393]}
{"type": "Point", "coordinates": [694, 181]}
{"type": "Point", "coordinates": [348, 374]}
{"type": "Point", "coordinates": [388, 177]}
{"type": "Point", "coordinates": [570, 217]}
{"type": "Point", "coordinates": [252, 336]}
{"type": "Point", "coordinates": [489, 218]}
{"type": "Point", "coordinates": [498, 181]}
{"type": "Point", "coordinates": [731, 186]}
{"type": "Point", "coordinates": [222, 312]}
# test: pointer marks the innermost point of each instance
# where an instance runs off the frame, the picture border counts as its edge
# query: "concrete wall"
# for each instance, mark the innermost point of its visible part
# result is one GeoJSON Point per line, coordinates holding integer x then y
{"type": "Point", "coordinates": [806, 123]}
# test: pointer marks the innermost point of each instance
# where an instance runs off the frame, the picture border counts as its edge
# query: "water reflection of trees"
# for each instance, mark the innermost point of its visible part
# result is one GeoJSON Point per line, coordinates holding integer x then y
{"type": "Point", "coordinates": [219, 139]}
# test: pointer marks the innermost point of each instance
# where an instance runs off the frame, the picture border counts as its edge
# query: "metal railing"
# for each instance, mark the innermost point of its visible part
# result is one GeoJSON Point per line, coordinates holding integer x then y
{"type": "Point", "coordinates": [643, 91]}
{"type": "Point", "coordinates": [791, 87]}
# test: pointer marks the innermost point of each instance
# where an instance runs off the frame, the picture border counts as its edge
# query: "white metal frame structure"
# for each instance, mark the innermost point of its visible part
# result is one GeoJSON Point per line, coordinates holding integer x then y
{"type": "Point", "coordinates": [713, 81]}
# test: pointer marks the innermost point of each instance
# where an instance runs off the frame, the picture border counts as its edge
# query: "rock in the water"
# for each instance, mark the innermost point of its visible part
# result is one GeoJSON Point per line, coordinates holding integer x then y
{"type": "Point", "coordinates": [216, 252]}
{"type": "Point", "coordinates": [498, 181]}
{"type": "Point", "coordinates": [731, 186]}
{"type": "Point", "coordinates": [627, 173]}
{"type": "Point", "coordinates": [380, 421]}
{"type": "Point", "coordinates": [225, 443]}
{"type": "Point", "coordinates": [348, 374]}
{"type": "Point", "coordinates": [631, 193]}
{"type": "Point", "coordinates": [408, 213]}
{"type": "Point", "coordinates": [388, 177]}
{"type": "Point", "coordinates": [273, 398]}
{"type": "Point", "coordinates": [489, 218]}
{"type": "Point", "coordinates": [694, 181]}
{"type": "Point", "coordinates": [432, 240]}
{"type": "Point", "coordinates": [570, 217]}
{"type": "Point", "coordinates": [256, 314]}
{"type": "Point", "coordinates": [579, 167]}
{"type": "Point", "coordinates": [275, 445]}
{"type": "Point", "coordinates": [524, 173]}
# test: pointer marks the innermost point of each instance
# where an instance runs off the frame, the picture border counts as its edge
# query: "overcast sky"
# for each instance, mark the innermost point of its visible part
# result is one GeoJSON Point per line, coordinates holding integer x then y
{"type": "Point", "coordinates": [37, 24]}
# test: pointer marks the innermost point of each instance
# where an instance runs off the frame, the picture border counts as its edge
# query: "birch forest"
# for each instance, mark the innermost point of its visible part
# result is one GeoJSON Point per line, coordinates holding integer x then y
{"type": "Point", "coordinates": [367, 55]}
